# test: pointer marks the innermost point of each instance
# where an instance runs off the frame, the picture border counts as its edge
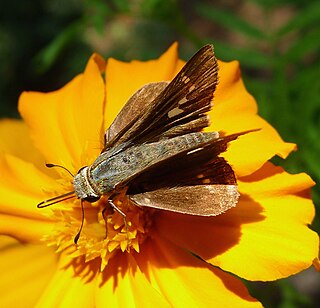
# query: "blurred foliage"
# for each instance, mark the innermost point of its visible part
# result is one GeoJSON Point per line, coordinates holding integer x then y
{"type": "Point", "coordinates": [43, 44]}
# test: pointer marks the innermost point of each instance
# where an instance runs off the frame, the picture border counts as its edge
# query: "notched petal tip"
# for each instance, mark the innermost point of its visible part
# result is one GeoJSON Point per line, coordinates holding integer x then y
{"type": "Point", "coordinates": [100, 61]}
{"type": "Point", "coordinates": [316, 264]}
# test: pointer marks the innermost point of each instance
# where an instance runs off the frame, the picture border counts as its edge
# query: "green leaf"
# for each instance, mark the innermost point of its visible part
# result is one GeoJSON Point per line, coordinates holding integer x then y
{"type": "Point", "coordinates": [307, 43]}
{"type": "Point", "coordinates": [96, 14]}
{"type": "Point", "coordinates": [48, 55]}
{"type": "Point", "coordinates": [270, 4]}
{"type": "Point", "coordinates": [290, 297]}
{"type": "Point", "coordinates": [307, 17]}
{"type": "Point", "coordinates": [121, 5]}
{"type": "Point", "coordinates": [260, 90]}
{"type": "Point", "coordinates": [231, 21]}
{"type": "Point", "coordinates": [167, 10]}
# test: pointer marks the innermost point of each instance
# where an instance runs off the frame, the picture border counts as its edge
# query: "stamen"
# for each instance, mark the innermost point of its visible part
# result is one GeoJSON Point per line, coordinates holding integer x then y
{"type": "Point", "coordinates": [106, 230]}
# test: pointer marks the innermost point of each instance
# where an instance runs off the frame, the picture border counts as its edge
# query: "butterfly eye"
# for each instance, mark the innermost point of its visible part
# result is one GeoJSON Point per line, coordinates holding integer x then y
{"type": "Point", "coordinates": [81, 169]}
{"type": "Point", "coordinates": [91, 199]}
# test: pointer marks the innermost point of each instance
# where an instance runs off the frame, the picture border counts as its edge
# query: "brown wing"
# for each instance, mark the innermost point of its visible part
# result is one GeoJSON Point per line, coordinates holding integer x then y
{"type": "Point", "coordinates": [203, 200]}
{"type": "Point", "coordinates": [179, 108]}
{"type": "Point", "coordinates": [138, 103]}
{"type": "Point", "coordinates": [198, 167]}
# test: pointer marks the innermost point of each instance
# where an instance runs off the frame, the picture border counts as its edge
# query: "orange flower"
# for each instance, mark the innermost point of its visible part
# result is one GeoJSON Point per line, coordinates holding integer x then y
{"type": "Point", "coordinates": [265, 237]}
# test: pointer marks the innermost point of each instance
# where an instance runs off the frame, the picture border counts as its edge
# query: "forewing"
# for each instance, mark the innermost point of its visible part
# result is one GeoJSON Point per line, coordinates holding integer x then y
{"type": "Point", "coordinates": [180, 108]}
{"type": "Point", "coordinates": [203, 200]}
{"type": "Point", "coordinates": [138, 103]}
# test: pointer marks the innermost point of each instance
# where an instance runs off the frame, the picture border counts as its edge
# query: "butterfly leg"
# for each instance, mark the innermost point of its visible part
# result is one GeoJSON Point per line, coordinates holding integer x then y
{"type": "Point", "coordinates": [110, 210]}
{"type": "Point", "coordinates": [114, 207]}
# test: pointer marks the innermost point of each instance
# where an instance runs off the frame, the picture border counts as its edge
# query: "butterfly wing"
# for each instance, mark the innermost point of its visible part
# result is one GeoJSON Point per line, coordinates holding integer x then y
{"type": "Point", "coordinates": [138, 103]}
{"type": "Point", "coordinates": [203, 200]}
{"type": "Point", "coordinates": [197, 167]}
{"type": "Point", "coordinates": [179, 108]}
{"type": "Point", "coordinates": [202, 183]}
{"type": "Point", "coordinates": [196, 182]}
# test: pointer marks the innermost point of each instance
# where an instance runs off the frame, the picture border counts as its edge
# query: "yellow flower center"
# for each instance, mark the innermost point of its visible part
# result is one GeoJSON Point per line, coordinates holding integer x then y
{"type": "Point", "coordinates": [101, 237]}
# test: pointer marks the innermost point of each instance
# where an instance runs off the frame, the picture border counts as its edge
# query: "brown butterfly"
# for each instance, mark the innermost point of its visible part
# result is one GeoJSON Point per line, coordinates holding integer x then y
{"type": "Point", "coordinates": [155, 150]}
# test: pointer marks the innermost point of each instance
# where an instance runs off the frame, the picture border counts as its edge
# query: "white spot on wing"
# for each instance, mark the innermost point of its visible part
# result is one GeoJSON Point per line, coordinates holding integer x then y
{"type": "Point", "coordinates": [146, 200]}
{"type": "Point", "coordinates": [185, 79]}
{"type": "Point", "coordinates": [182, 101]}
{"type": "Point", "coordinates": [175, 111]}
{"type": "Point", "coordinates": [195, 150]}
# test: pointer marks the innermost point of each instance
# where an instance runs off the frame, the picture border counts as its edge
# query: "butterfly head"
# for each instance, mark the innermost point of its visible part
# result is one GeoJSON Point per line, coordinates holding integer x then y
{"type": "Point", "coordinates": [82, 187]}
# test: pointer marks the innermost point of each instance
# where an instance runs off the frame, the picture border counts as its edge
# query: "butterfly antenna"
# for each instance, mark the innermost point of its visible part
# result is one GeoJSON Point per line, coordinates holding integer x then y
{"type": "Point", "coordinates": [59, 166]}
{"type": "Point", "coordinates": [57, 199]}
{"type": "Point", "coordinates": [76, 238]}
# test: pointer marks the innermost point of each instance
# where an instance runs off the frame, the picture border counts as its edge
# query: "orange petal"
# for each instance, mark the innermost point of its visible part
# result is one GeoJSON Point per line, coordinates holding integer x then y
{"type": "Point", "coordinates": [22, 187]}
{"type": "Point", "coordinates": [66, 124]}
{"type": "Point", "coordinates": [231, 90]}
{"type": "Point", "coordinates": [265, 237]}
{"type": "Point", "coordinates": [123, 79]}
{"type": "Point", "coordinates": [185, 281]}
{"type": "Point", "coordinates": [15, 140]}
{"type": "Point", "coordinates": [67, 289]}
{"type": "Point", "coordinates": [24, 229]}
{"type": "Point", "coordinates": [234, 111]}
{"type": "Point", "coordinates": [122, 284]}
{"type": "Point", "coordinates": [25, 272]}
{"type": "Point", "coordinates": [249, 152]}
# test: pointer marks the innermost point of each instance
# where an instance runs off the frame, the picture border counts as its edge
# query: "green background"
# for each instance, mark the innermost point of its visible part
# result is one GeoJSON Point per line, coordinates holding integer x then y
{"type": "Point", "coordinates": [43, 44]}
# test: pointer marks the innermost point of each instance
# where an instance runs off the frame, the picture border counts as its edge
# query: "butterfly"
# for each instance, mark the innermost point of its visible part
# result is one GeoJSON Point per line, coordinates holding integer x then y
{"type": "Point", "coordinates": [156, 152]}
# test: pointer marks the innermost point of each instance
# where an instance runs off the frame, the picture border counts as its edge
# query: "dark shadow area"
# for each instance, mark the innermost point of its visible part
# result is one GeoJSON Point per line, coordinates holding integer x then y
{"type": "Point", "coordinates": [209, 236]}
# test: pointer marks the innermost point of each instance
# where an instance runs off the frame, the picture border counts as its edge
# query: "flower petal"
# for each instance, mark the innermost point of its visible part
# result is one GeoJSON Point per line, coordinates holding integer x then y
{"type": "Point", "coordinates": [234, 111]}
{"type": "Point", "coordinates": [21, 189]}
{"type": "Point", "coordinates": [31, 232]}
{"type": "Point", "coordinates": [64, 125]}
{"type": "Point", "coordinates": [265, 237]}
{"type": "Point", "coordinates": [122, 284]}
{"type": "Point", "coordinates": [68, 289]}
{"type": "Point", "coordinates": [15, 140]}
{"type": "Point", "coordinates": [280, 244]}
{"type": "Point", "coordinates": [186, 281]}
{"type": "Point", "coordinates": [231, 91]}
{"type": "Point", "coordinates": [123, 79]}
{"type": "Point", "coordinates": [22, 186]}
{"type": "Point", "coordinates": [25, 272]}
